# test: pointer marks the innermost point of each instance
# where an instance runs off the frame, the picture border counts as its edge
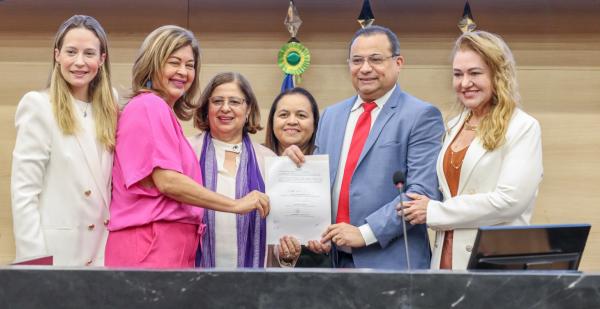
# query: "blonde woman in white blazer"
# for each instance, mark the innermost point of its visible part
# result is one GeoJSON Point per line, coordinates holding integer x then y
{"type": "Point", "coordinates": [60, 183]}
{"type": "Point", "coordinates": [490, 166]}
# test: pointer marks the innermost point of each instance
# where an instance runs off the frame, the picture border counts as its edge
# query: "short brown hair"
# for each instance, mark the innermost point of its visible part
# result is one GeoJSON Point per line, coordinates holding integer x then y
{"type": "Point", "coordinates": [201, 113]}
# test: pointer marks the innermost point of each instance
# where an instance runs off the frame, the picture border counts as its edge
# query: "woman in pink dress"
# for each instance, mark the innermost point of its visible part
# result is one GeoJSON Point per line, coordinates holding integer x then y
{"type": "Point", "coordinates": [157, 196]}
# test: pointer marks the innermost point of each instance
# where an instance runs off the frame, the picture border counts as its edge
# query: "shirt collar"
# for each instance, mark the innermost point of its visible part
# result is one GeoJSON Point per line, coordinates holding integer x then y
{"type": "Point", "coordinates": [380, 102]}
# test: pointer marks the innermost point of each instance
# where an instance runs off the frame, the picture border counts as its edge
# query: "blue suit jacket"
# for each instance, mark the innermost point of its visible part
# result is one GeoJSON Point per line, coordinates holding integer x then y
{"type": "Point", "coordinates": [406, 136]}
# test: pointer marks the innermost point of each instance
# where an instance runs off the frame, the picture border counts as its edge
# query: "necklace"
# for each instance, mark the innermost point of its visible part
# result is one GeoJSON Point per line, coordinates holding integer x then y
{"type": "Point", "coordinates": [84, 108]}
{"type": "Point", "coordinates": [469, 127]}
{"type": "Point", "coordinates": [454, 165]}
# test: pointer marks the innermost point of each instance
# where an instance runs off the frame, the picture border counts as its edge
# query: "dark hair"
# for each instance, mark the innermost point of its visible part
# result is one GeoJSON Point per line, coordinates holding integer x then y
{"type": "Point", "coordinates": [373, 30]}
{"type": "Point", "coordinates": [201, 113]}
{"type": "Point", "coordinates": [271, 140]}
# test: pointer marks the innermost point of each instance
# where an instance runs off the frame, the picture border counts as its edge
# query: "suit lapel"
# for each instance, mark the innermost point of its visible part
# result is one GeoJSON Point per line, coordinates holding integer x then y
{"type": "Point", "coordinates": [440, 163]}
{"type": "Point", "coordinates": [384, 115]}
{"type": "Point", "coordinates": [473, 155]}
{"type": "Point", "coordinates": [448, 139]}
{"type": "Point", "coordinates": [96, 167]}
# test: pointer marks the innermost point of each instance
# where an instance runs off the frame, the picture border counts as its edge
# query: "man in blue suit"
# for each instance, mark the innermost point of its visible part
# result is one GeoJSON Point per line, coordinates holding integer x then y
{"type": "Point", "coordinates": [399, 133]}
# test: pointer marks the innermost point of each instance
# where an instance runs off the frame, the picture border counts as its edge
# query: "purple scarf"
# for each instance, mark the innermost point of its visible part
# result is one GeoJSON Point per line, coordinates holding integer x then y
{"type": "Point", "coordinates": [251, 228]}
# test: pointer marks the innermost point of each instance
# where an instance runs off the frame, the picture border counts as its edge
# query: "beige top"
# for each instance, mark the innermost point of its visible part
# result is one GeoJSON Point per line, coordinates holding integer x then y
{"type": "Point", "coordinates": [225, 223]}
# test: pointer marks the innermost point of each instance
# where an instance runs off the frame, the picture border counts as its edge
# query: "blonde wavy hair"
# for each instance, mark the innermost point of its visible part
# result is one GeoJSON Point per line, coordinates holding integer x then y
{"type": "Point", "coordinates": [104, 105]}
{"type": "Point", "coordinates": [505, 91]}
{"type": "Point", "coordinates": [153, 55]}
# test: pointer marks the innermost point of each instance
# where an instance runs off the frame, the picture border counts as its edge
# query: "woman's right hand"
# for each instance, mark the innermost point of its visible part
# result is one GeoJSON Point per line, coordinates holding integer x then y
{"type": "Point", "coordinates": [253, 200]}
{"type": "Point", "coordinates": [295, 154]}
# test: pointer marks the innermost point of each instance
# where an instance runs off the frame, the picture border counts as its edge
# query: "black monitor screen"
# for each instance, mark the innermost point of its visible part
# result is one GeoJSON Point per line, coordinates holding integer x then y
{"type": "Point", "coordinates": [538, 247]}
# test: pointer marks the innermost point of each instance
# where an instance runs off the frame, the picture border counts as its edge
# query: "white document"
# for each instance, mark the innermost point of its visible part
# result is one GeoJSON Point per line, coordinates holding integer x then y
{"type": "Point", "coordinates": [300, 198]}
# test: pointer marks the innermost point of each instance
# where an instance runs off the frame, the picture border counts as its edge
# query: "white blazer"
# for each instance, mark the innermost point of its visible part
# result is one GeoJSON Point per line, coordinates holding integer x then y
{"type": "Point", "coordinates": [60, 188]}
{"type": "Point", "coordinates": [496, 187]}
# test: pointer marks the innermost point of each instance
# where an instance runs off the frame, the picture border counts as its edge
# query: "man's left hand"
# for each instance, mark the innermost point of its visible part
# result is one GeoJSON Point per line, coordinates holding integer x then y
{"type": "Point", "coordinates": [344, 234]}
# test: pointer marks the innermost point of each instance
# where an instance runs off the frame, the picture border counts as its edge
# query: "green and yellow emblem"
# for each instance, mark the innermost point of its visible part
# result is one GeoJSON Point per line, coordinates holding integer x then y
{"type": "Point", "coordinates": [293, 58]}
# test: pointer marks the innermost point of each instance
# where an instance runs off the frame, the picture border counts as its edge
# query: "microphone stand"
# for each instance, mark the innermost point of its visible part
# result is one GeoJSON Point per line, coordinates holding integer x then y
{"type": "Point", "coordinates": [399, 180]}
{"type": "Point", "coordinates": [404, 229]}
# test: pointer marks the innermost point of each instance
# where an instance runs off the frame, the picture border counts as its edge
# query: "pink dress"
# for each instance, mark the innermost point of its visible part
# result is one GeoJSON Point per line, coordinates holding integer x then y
{"type": "Point", "coordinates": [147, 228]}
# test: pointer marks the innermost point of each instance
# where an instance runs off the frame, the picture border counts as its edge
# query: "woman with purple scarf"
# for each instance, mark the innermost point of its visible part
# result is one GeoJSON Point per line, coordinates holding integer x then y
{"type": "Point", "coordinates": [231, 165]}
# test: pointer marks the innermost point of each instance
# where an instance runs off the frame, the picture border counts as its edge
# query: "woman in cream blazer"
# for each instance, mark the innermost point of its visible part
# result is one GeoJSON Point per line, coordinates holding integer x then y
{"type": "Point", "coordinates": [60, 184]}
{"type": "Point", "coordinates": [496, 187]}
{"type": "Point", "coordinates": [498, 177]}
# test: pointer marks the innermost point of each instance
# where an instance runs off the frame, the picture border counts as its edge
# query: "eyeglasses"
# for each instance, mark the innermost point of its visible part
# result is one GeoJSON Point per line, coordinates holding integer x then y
{"type": "Point", "coordinates": [233, 102]}
{"type": "Point", "coordinates": [373, 60]}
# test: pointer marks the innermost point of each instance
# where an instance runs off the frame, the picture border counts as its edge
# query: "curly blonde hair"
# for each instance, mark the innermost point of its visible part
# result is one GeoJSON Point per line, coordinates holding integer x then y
{"type": "Point", "coordinates": [505, 90]}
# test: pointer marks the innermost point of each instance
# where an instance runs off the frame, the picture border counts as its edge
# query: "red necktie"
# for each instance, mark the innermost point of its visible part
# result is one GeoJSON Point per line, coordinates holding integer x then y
{"type": "Point", "coordinates": [359, 137]}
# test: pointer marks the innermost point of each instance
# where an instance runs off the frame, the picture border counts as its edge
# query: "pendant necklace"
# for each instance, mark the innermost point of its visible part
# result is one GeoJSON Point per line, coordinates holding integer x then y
{"type": "Point", "coordinates": [84, 109]}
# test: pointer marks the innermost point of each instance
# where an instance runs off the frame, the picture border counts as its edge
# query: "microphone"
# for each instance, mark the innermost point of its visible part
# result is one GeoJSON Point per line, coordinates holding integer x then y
{"type": "Point", "coordinates": [399, 181]}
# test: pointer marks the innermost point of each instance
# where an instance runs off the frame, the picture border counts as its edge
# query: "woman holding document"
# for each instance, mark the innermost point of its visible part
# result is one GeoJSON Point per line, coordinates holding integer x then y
{"type": "Point", "coordinates": [490, 165]}
{"type": "Point", "coordinates": [293, 120]}
{"type": "Point", "coordinates": [232, 165]}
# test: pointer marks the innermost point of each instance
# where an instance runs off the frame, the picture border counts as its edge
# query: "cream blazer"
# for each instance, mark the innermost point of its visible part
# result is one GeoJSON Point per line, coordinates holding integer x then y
{"type": "Point", "coordinates": [496, 187]}
{"type": "Point", "coordinates": [60, 188]}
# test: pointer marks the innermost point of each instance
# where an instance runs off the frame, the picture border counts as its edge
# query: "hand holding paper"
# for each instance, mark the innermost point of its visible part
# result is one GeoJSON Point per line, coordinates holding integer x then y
{"type": "Point", "coordinates": [299, 197]}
